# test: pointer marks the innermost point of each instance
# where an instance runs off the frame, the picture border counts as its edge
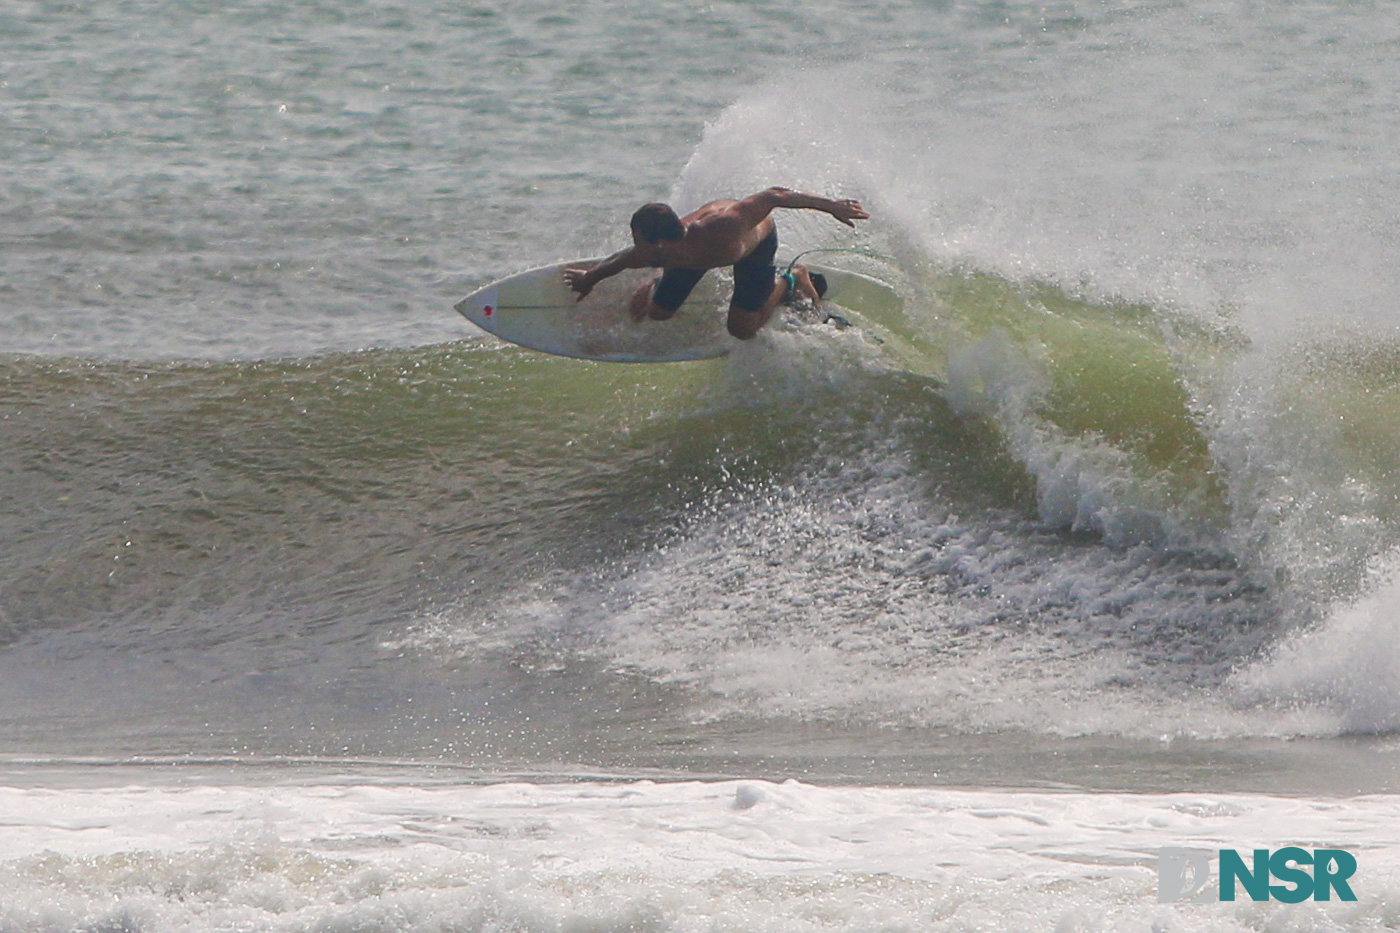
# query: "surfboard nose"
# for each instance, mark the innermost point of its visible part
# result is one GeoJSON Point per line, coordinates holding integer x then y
{"type": "Point", "coordinates": [479, 307]}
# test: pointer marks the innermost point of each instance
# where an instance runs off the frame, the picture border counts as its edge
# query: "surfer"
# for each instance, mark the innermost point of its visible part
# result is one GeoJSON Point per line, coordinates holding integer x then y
{"type": "Point", "coordinates": [722, 233]}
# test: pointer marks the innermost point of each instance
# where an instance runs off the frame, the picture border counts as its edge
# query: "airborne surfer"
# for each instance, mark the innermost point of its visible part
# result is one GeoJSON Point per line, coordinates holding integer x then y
{"type": "Point", "coordinates": [721, 233]}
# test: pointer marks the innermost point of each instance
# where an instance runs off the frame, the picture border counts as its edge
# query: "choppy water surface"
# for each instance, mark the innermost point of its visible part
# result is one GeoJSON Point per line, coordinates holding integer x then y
{"type": "Point", "coordinates": [1110, 505]}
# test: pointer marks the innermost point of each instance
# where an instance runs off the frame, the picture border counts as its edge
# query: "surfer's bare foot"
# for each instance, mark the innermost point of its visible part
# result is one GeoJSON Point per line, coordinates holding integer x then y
{"type": "Point", "coordinates": [802, 281]}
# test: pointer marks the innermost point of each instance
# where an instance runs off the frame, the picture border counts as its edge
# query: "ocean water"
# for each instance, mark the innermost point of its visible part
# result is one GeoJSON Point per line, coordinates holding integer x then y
{"type": "Point", "coordinates": [322, 611]}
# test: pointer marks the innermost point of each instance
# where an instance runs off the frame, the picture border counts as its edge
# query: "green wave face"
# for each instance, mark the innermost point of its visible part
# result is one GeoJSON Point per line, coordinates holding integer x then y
{"type": "Point", "coordinates": [509, 459]}
{"type": "Point", "coordinates": [1062, 376]}
{"type": "Point", "coordinates": [966, 472]}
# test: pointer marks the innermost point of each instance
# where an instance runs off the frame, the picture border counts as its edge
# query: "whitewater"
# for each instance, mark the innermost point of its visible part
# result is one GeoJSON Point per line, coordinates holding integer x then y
{"type": "Point", "coordinates": [321, 610]}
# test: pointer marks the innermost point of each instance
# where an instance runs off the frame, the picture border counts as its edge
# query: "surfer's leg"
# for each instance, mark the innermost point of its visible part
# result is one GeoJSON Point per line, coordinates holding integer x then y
{"type": "Point", "coordinates": [663, 296]}
{"type": "Point", "coordinates": [745, 324]}
{"type": "Point", "coordinates": [757, 289]}
{"type": "Point", "coordinates": [640, 304]}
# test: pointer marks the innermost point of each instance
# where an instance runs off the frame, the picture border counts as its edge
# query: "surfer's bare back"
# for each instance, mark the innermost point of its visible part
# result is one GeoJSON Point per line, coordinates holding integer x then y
{"type": "Point", "coordinates": [722, 233]}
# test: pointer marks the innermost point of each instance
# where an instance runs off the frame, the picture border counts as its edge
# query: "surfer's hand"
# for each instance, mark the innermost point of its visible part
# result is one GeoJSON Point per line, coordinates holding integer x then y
{"type": "Point", "coordinates": [848, 211]}
{"type": "Point", "coordinates": [577, 279]}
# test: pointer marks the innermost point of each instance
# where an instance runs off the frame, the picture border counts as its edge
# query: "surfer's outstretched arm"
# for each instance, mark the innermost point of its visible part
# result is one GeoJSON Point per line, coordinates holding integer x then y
{"type": "Point", "coordinates": [757, 206]}
{"type": "Point", "coordinates": [583, 280]}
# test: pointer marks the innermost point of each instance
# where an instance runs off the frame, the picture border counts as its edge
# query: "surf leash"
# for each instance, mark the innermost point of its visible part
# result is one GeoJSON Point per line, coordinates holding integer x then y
{"type": "Point", "coordinates": [827, 316]}
{"type": "Point", "coordinates": [836, 249]}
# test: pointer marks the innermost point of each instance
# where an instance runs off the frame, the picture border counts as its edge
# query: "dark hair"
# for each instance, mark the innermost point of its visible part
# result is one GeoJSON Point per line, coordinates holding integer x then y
{"type": "Point", "coordinates": [655, 222]}
{"type": "Point", "coordinates": [818, 282]}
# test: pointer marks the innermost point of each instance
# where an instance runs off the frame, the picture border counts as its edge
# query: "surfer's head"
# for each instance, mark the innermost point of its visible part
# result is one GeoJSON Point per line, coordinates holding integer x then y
{"type": "Point", "coordinates": [656, 222]}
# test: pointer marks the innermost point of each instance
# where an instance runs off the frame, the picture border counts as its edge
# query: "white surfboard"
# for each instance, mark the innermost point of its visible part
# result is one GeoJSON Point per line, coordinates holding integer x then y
{"type": "Point", "coordinates": [536, 309]}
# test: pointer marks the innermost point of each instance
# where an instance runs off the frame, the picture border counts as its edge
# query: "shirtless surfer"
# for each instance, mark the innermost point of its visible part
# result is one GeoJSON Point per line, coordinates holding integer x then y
{"type": "Point", "coordinates": [722, 233]}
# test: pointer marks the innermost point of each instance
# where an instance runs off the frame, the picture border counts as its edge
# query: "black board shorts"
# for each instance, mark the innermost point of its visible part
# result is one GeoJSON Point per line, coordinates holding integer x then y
{"type": "Point", "coordinates": [753, 279]}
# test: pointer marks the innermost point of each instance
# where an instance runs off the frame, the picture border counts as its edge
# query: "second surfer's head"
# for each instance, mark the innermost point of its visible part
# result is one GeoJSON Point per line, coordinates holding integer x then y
{"type": "Point", "coordinates": [656, 222]}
